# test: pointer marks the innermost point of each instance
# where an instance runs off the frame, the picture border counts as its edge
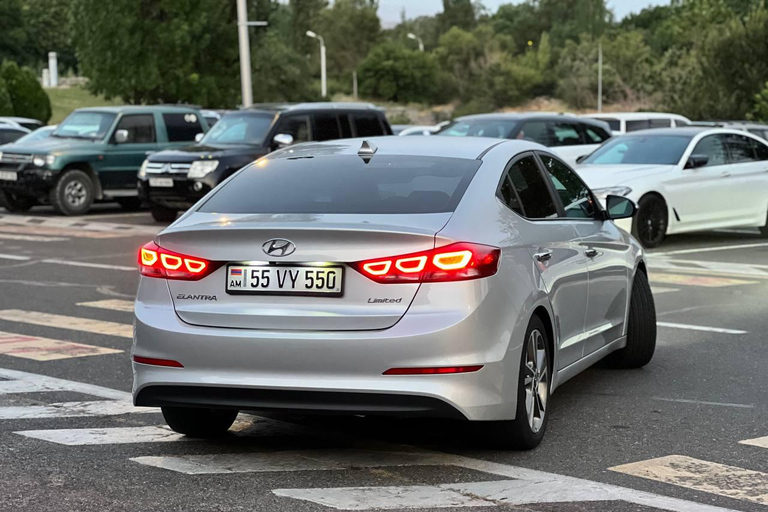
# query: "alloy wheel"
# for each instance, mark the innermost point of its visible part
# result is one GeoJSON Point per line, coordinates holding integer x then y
{"type": "Point", "coordinates": [536, 380]}
{"type": "Point", "coordinates": [651, 224]}
{"type": "Point", "coordinates": [75, 193]}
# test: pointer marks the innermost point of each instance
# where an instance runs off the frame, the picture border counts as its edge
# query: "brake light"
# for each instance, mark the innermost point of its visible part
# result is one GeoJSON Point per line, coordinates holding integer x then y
{"type": "Point", "coordinates": [456, 262]}
{"type": "Point", "coordinates": [154, 261]}
{"type": "Point", "coordinates": [440, 370]}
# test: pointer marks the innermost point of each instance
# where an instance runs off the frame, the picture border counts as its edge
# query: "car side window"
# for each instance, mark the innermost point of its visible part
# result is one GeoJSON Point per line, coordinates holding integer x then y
{"type": "Point", "coordinates": [565, 134]}
{"type": "Point", "coordinates": [660, 122]}
{"type": "Point", "coordinates": [295, 126]}
{"type": "Point", "coordinates": [535, 131]}
{"type": "Point", "coordinates": [326, 127]}
{"type": "Point", "coordinates": [740, 149]}
{"type": "Point", "coordinates": [182, 127]}
{"type": "Point", "coordinates": [641, 124]}
{"type": "Point", "coordinates": [532, 198]}
{"type": "Point", "coordinates": [576, 198]}
{"type": "Point", "coordinates": [140, 128]}
{"type": "Point", "coordinates": [367, 125]}
{"type": "Point", "coordinates": [593, 134]}
{"type": "Point", "coordinates": [712, 146]}
{"type": "Point", "coordinates": [761, 149]}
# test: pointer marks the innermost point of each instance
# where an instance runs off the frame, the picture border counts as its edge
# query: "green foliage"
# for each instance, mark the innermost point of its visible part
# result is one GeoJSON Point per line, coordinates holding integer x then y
{"type": "Point", "coordinates": [457, 13]}
{"type": "Point", "coordinates": [12, 35]}
{"type": "Point", "coordinates": [6, 106]}
{"type": "Point", "coordinates": [759, 110]}
{"type": "Point", "coordinates": [394, 73]}
{"type": "Point", "coordinates": [350, 28]}
{"type": "Point", "coordinates": [27, 95]}
{"type": "Point", "coordinates": [46, 23]}
{"type": "Point", "coordinates": [279, 74]}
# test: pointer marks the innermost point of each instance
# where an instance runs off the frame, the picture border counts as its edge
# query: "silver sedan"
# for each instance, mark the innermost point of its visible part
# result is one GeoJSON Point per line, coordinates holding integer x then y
{"type": "Point", "coordinates": [402, 276]}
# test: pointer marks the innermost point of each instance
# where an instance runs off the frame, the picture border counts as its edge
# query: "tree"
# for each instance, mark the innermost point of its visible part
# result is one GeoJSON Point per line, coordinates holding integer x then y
{"type": "Point", "coordinates": [304, 16]}
{"type": "Point", "coordinates": [279, 73]}
{"type": "Point", "coordinates": [759, 110]}
{"type": "Point", "coordinates": [457, 13]}
{"type": "Point", "coordinates": [12, 35]}
{"type": "Point", "coordinates": [46, 24]}
{"type": "Point", "coordinates": [350, 28]}
{"type": "Point", "coordinates": [6, 106]}
{"type": "Point", "coordinates": [27, 95]}
{"type": "Point", "coordinates": [165, 51]}
{"type": "Point", "coordinates": [394, 73]}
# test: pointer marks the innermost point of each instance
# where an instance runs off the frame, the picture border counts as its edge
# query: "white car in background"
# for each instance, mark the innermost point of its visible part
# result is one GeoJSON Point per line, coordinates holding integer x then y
{"type": "Point", "coordinates": [567, 136]}
{"type": "Point", "coordinates": [626, 122]}
{"type": "Point", "coordinates": [419, 130]}
{"type": "Point", "coordinates": [683, 180]}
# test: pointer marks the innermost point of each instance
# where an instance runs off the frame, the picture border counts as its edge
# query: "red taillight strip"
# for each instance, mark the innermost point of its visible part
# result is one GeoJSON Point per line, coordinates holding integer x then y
{"type": "Point", "coordinates": [155, 261]}
{"type": "Point", "coordinates": [439, 370]}
{"type": "Point", "coordinates": [157, 362]}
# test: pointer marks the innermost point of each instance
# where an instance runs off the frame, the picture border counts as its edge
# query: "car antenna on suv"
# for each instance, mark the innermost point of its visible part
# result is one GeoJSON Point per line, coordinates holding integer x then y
{"type": "Point", "coordinates": [366, 151]}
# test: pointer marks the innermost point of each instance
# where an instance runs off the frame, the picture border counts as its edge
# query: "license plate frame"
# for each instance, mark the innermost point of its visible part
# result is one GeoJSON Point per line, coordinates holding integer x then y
{"type": "Point", "coordinates": [161, 182]}
{"type": "Point", "coordinates": [9, 176]}
{"type": "Point", "coordinates": [285, 293]}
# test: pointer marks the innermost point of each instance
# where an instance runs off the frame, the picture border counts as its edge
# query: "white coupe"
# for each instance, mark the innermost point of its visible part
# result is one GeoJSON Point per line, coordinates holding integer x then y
{"type": "Point", "coordinates": [683, 180]}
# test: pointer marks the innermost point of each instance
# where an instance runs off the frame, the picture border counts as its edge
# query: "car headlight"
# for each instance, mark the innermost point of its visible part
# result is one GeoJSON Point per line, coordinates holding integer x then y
{"type": "Point", "coordinates": [50, 159]}
{"type": "Point", "coordinates": [143, 169]}
{"type": "Point", "coordinates": [39, 161]}
{"type": "Point", "coordinates": [602, 193]}
{"type": "Point", "coordinates": [202, 168]}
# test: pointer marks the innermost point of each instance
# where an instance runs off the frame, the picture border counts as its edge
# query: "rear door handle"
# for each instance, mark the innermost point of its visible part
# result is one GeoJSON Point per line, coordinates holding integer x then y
{"type": "Point", "coordinates": [543, 256]}
{"type": "Point", "coordinates": [726, 174]}
{"type": "Point", "coordinates": [591, 253]}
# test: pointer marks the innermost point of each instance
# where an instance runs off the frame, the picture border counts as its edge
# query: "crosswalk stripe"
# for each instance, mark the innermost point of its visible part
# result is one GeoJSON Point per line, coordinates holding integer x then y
{"type": "Point", "coordinates": [761, 442]}
{"type": "Point", "coordinates": [113, 304]}
{"type": "Point", "coordinates": [44, 349]}
{"type": "Point", "coordinates": [45, 383]}
{"type": "Point", "coordinates": [657, 290]}
{"type": "Point", "coordinates": [32, 238]}
{"type": "Point", "coordinates": [101, 436]}
{"type": "Point", "coordinates": [45, 231]}
{"type": "Point", "coordinates": [696, 280]}
{"type": "Point", "coordinates": [703, 328]}
{"type": "Point", "coordinates": [701, 475]}
{"type": "Point", "coordinates": [58, 222]}
{"type": "Point", "coordinates": [88, 264]}
{"type": "Point", "coordinates": [67, 322]}
{"type": "Point", "coordinates": [710, 267]}
{"type": "Point", "coordinates": [310, 460]}
{"type": "Point", "coordinates": [73, 410]}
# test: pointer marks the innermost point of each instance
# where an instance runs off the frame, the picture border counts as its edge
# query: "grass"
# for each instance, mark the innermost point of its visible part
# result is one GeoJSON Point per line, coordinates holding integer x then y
{"type": "Point", "coordinates": [64, 101]}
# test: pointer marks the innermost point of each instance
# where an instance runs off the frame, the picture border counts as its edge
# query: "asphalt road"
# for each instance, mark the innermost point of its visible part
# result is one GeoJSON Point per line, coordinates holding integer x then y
{"type": "Point", "coordinates": [686, 433]}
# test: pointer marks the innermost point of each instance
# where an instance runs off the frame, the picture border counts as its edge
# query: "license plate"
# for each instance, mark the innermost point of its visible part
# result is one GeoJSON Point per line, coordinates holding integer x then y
{"type": "Point", "coordinates": [8, 176]}
{"type": "Point", "coordinates": [284, 280]}
{"type": "Point", "coordinates": [161, 182]}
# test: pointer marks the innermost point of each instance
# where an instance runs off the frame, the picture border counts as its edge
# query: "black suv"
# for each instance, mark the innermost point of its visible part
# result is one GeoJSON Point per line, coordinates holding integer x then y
{"type": "Point", "coordinates": [174, 180]}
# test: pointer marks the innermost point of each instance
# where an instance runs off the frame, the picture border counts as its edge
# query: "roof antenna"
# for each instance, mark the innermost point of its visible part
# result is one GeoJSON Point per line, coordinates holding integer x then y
{"type": "Point", "coordinates": [366, 151]}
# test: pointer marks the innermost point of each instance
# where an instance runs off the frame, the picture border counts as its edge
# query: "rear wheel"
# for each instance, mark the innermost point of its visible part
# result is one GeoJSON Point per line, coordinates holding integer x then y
{"type": "Point", "coordinates": [526, 431]}
{"type": "Point", "coordinates": [73, 193]}
{"type": "Point", "coordinates": [641, 329]}
{"type": "Point", "coordinates": [16, 203]}
{"type": "Point", "coordinates": [650, 224]}
{"type": "Point", "coordinates": [198, 422]}
{"type": "Point", "coordinates": [163, 214]}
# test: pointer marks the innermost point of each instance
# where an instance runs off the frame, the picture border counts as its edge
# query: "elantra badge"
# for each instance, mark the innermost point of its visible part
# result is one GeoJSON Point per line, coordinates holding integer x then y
{"type": "Point", "coordinates": [278, 247]}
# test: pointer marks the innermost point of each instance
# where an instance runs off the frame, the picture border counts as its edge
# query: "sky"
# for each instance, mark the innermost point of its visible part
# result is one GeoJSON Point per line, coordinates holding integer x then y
{"type": "Point", "coordinates": [389, 10]}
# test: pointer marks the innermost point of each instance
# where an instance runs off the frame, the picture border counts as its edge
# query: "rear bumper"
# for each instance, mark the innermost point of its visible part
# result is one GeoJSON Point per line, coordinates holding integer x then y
{"type": "Point", "coordinates": [181, 196]}
{"type": "Point", "coordinates": [331, 372]}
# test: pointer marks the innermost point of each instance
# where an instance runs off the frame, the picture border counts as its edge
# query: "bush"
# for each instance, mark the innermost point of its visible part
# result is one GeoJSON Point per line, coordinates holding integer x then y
{"type": "Point", "coordinates": [394, 73]}
{"type": "Point", "coordinates": [6, 106]}
{"type": "Point", "coordinates": [27, 95]}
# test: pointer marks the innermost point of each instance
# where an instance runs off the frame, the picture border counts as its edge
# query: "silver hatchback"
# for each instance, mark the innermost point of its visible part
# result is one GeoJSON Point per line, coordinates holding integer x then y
{"type": "Point", "coordinates": [405, 276]}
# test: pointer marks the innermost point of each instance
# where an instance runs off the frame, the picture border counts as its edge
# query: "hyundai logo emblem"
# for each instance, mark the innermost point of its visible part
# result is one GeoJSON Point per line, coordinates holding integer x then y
{"type": "Point", "coordinates": [278, 247]}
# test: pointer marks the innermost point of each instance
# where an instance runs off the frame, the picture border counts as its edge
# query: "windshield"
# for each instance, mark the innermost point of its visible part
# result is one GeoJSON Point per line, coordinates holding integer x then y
{"type": "Point", "coordinates": [39, 134]}
{"type": "Point", "coordinates": [346, 184]}
{"type": "Point", "coordinates": [657, 150]}
{"type": "Point", "coordinates": [85, 125]}
{"type": "Point", "coordinates": [496, 128]}
{"type": "Point", "coordinates": [239, 129]}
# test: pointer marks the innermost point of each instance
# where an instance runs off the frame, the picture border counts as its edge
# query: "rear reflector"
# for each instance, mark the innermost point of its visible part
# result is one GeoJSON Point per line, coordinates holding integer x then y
{"type": "Point", "coordinates": [440, 370]}
{"type": "Point", "coordinates": [154, 261]}
{"type": "Point", "coordinates": [157, 362]}
{"type": "Point", "coordinates": [456, 262]}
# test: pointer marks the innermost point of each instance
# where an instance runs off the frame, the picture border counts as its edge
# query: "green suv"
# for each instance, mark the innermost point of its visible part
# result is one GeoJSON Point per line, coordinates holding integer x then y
{"type": "Point", "coordinates": [93, 155]}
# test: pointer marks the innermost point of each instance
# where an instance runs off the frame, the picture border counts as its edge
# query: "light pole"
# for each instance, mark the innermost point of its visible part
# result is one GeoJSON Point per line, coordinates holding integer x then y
{"type": "Point", "coordinates": [418, 39]}
{"type": "Point", "coordinates": [600, 76]}
{"type": "Point", "coordinates": [246, 87]}
{"type": "Point", "coordinates": [323, 84]}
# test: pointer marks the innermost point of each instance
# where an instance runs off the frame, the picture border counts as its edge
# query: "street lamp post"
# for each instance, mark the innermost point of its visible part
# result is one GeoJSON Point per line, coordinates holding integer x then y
{"type": "Point", "coordinates": [323, 82]}
{"type": "Point", "coordinates": [418, 39]}
{"type": "Point", "coordinates": [246, 87]}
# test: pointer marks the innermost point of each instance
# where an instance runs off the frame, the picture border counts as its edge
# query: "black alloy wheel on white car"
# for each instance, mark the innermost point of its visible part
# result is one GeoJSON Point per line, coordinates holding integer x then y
{"type": "Point", "coordinates": [649, 226]}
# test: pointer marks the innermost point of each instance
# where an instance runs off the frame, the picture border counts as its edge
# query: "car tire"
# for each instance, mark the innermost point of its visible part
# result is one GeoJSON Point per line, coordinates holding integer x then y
{"type": "Point", "coordinates": [73, 193]}
{"type": "Point", "coordinates": [650, 224]}
{"type": "Point", "coordinates": [526, 431]}
{"type": "Point", "coordinates": [641, 328]}
{"type": "Point", "coordinates": [764, 229]}
{"type": "Point", "coordinates": [199, 422]}
{"type": "Point", "coordinates": [16, 203]}
{"type": "Point", "coordinates": [163, 214]}
{"type": "Point", "coordinates": [129, 204]}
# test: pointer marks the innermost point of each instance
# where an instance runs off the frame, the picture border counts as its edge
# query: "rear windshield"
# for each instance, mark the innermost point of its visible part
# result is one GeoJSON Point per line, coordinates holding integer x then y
{"type": "Point", "coordinates": [638, 149]}
{"type": "Point", "coordinates": [345, 184]}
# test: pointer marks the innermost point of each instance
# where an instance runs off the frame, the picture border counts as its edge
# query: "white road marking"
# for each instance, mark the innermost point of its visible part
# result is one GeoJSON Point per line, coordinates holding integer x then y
{"type": "Point", "coordinates": [32, 229]}
{"type": "Point", "coordinates": [709, 267]}
{"type": "Point", "coordinates": [696, 279]}
{"type": "Point", "coordinates": [67, 322]}
{"type": "Point", "coordinates": [761, 442]}
{"type": "Point", "coordinates": [699, 402]}
{"type": "Point", "coordinates": [73, 410]}
{"type": "Point", "coordinates": [86, 264]}
{"type": "Point", "coordinates": [702, 475]}
{"type": "Point", "coordinates": [81, 223]}
{"type": "Point", "coordinates": [15, 257]}
{"type": "Point", "coordinates": [32, 238]}
{"type": "Point", "coordinates": [710, 249]}
{"type": "Point", "coordinates": [112, 304]}
{"type": "Point", "coordinates": [100, 436]}
{"type": "Point", "coordinates": [657, 290]}
{"type": "Point", "coordinates": [45, 349]}
{"type": "Point", "coordinates": [45, 383]}
{"type": "Point", "coordinates": [700, 328]}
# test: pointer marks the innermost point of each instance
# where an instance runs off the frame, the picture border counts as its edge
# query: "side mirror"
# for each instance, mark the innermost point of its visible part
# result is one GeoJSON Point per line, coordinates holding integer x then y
{"type": "Point", "coordinates": [282, 140]}
{"type": "Point", "coordinates": [199, 137]}
{"type": "Point", "coordinates": [121, 136]}
{"type": "Point", "coordinates": [581, 159]}
{"type": "Point", "coordinates": [618, 207]}
{"type": "Point", "coordinates": [696, 161]}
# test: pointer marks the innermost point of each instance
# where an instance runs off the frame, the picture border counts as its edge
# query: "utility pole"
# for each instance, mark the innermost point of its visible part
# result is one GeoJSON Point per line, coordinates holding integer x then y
{"type": "Point", "coordinates": [246, 86]}
{"type": "Point", "coordinates": [600, 76]}
{"type": "Point", "coordinates": [354, 84]}
{"type": "Point", "coordinates": [323, 81]}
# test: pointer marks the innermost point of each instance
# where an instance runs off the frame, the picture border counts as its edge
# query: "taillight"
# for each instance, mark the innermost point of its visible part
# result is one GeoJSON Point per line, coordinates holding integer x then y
{"type": "Point", "coordinates": [154, 261]}
{"type": "Point", "coordinates": [456, 262]}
